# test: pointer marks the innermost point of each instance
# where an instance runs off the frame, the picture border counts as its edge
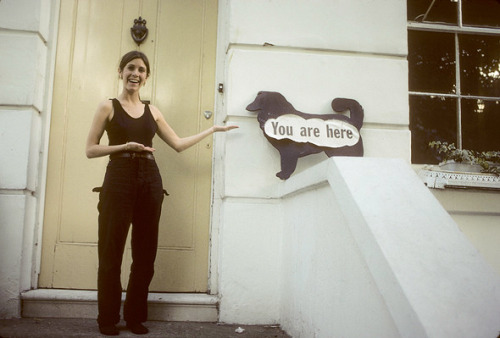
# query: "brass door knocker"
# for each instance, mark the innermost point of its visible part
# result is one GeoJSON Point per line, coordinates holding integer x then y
{"type": "Point", "coordinates": [139, 30]}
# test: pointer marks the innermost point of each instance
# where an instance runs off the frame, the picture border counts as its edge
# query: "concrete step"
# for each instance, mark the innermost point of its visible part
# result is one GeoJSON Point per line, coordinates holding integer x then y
{"type": "Point", "coordinates": [52, 303]}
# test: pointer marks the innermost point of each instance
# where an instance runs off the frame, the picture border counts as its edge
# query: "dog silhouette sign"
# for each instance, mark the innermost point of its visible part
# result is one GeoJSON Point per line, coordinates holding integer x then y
{"type": "Point", "coordinates": [296, 134]}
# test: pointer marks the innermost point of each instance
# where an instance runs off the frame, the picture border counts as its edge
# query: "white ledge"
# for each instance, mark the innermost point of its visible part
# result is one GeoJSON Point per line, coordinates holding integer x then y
{"type": "Point", "coordinates": [84, 296]}
{"type": "Point", "coordinates": [434, 177]}
{"type": "Point", "coordinates": [58, 303]}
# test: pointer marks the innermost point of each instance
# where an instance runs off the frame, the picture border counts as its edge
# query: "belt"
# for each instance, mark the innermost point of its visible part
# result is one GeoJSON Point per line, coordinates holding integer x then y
{"type": "Point", "coordinates": [133, 154]}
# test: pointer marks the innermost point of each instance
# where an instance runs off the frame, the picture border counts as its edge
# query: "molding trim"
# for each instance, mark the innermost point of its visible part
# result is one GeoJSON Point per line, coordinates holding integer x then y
{"type": "Point", "coordinates": [434, 177]}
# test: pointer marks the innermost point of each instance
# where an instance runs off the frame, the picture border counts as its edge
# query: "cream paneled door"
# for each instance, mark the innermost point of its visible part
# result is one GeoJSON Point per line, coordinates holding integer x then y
{"type": "Point", "coordinates": [93, 34]}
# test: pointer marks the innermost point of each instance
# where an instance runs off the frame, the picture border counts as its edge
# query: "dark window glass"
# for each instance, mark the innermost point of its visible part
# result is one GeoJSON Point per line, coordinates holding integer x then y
{"type": "Point", "coordinates": [431, 61]}
{"type": "Point", "coordinates": [442, 11]}
{"type": "Point", "coordinates": [485, 13]}
{"type": "Point", "coordinates": [481, 124]}
{"type": "Point", "coordinates": [480, 65]}
{"type": "Point", "coordinates": [433, 71]}
{"type": "Point", "coordinates": [431, 119]}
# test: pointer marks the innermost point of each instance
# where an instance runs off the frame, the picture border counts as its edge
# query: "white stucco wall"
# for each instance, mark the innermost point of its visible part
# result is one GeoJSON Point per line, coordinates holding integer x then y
{"type": "Point", "coordinates": [25, 28]}
{"type": "Point", "coordinates": [311, 52]}
{"type": "Point", "coordinates": [360, 26]}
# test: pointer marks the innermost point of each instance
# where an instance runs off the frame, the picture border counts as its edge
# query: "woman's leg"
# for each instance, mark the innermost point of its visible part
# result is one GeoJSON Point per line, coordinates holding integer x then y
{"type": "Point", "coordinates": [115, 206]}
{"type": "Point", "coordinates": [145, 222]}
{"type": "Point", "coordinates": [114, 223]}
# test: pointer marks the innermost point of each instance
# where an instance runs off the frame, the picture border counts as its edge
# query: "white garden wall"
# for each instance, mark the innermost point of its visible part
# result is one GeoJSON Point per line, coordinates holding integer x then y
{"type": "Point", "coordinates": [328, 290]}
{"type": "Point", "coordinates": [368, 259]}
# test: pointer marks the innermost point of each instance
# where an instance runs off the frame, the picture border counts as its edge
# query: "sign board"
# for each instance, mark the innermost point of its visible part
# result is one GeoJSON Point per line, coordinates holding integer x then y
{"type": "Point", "coordinates": [296, 134]}
{"type": "Point", "coordinates": [323, 133]}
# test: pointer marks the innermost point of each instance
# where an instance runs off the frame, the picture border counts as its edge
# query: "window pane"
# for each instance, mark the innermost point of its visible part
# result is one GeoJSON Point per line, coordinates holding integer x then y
{"type": "Point", "coordinates": [481, 13]}
{"type": "Point", "coordinates": [432, 118]}
{"type": "Point", "coordinates": [480, 65]}
{"type": "Point", "coordinates": [443, 11]}
{"type": "Point", "coordinates": [480, 125]}
{"type": "Point", "coordinates": [431, 61]}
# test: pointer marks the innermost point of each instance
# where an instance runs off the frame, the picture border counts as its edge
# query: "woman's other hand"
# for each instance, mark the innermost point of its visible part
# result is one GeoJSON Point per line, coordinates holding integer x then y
{"type": "Point", "coordinates": [137, 147]}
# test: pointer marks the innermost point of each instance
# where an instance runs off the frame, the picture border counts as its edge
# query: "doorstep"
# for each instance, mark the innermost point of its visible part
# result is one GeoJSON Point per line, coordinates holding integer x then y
{"type": "Point", "coordinates": [56, 303]}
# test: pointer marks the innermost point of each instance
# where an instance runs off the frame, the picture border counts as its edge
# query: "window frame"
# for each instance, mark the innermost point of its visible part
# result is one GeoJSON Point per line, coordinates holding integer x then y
{"type": "Point", "coordinates": [433, 176]}
{"type": "Point", "coordinates": [455, 30]}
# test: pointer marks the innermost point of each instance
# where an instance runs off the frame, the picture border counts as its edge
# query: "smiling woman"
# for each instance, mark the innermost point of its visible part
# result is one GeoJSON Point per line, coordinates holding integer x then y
{"type": "Point", "coordinates": [181, 85]}
{"type": "Point", "coordinates": [132, 193]}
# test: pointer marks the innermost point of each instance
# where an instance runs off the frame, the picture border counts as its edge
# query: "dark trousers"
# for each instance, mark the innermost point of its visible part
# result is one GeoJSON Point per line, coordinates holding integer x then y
{"type": "Point", "coordinates": [132, 193]}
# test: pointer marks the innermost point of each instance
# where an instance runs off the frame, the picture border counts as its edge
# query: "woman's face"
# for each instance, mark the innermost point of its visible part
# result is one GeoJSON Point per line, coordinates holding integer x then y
{"type": "Point", "coordinates": [134, 74]}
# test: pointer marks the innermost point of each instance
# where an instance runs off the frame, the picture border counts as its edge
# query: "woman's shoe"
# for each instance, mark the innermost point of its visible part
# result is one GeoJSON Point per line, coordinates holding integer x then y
{"type": "Point", "coordinates": [137, 328]}
{"type": "Point", "coordinates": [109, 330]}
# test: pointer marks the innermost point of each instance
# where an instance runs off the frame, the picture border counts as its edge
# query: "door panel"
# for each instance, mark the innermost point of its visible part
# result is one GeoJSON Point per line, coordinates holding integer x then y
{"type": "Point", "coordinates": [93, 34]}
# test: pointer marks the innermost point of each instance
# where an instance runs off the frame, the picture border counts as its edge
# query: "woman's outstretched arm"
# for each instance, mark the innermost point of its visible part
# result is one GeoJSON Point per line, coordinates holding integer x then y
{"type": "Point", "coordinates": [177, 143]}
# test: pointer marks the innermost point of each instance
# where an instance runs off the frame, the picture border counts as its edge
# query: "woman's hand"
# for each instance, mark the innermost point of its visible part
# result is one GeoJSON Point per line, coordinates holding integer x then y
{"type": "Point", "coordinates": [137, 147]}
{"type": "Point", "coordinates": [223, 128]}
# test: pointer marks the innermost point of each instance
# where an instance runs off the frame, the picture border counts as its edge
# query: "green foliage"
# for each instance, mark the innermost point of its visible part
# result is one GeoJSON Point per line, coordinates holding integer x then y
{"type": "Point", "coordinates": [488, 160]}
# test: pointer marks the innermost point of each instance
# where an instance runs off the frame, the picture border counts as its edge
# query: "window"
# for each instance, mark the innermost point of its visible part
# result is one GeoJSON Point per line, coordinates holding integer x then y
{"type": "Point", "coordinates": [454, 75]}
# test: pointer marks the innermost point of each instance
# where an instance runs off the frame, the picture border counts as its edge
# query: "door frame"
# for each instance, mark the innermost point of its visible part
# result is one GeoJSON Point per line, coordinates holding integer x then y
{"type": "Point", "coordinates": [220, 114]}
{"type": "Point", "coordinates": [217, 165]}
{"type": "Point", "coordinates": [41, 188]}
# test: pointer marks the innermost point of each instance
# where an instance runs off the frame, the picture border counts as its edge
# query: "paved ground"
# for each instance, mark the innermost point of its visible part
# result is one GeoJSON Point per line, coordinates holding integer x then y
{"type": "Point", "coordinates": [69, 327]}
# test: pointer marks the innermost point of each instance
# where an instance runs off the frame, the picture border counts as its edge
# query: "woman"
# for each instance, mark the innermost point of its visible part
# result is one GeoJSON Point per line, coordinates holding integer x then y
{"type": "Point", "coordinates": [132, 193]}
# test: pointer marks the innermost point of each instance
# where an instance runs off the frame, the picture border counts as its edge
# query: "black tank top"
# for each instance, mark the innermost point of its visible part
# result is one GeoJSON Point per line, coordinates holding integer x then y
{"type": "Point", "coordinates": [124, 128]}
